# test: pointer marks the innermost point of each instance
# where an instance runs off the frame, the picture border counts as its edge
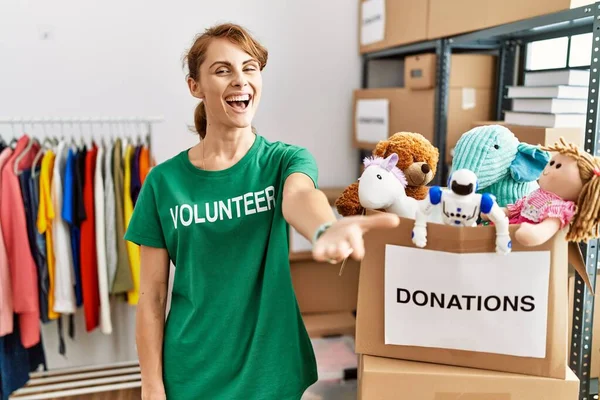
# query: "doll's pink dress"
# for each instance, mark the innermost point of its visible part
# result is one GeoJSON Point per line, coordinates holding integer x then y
{"type": "Point", "coordinates": [539, 205]}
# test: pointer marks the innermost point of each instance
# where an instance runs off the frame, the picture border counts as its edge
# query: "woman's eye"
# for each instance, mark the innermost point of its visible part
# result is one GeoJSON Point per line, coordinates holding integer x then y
{"type": "Point", "coordinates": [379, 177]}
{"type": "Point", "coordinates": [558, 165]}
{"type": "Point", "coordinates": [552, 163]}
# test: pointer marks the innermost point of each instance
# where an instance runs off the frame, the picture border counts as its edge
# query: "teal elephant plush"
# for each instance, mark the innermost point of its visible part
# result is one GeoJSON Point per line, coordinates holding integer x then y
{"type": "Point", "coordinates": [505, 167]}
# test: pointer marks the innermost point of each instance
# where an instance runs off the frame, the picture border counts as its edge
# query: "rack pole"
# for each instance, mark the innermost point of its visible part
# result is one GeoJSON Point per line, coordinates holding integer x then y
{"type": "Point", "coordinates": [442, 52]}
{"type": "Point", "coordinates": [583, 303]}
{"type": "Point", "coordinates": [506, 76]}
{"type": "Point", "coordinates": [78, 120]}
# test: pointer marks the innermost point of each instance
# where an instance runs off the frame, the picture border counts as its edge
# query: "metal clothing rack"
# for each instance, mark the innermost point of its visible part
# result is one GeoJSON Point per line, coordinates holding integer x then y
{"type": "Point", "coordinates": [62, 121]}
{"type": "Point", "coordinates": [509, 42]}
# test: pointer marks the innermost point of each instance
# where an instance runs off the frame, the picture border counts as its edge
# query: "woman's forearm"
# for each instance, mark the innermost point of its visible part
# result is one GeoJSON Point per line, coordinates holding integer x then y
{"type": "Point", "coordinates": [150, 319]}
{"type": "Point", "coordinates": [306, 209]}
{"type": "Point", "coordinates": [149, 338]}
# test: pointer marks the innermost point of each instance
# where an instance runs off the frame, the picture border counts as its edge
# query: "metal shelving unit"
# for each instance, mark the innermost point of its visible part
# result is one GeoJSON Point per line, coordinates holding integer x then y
{"type": "Point", "coordinates": [509, 42]}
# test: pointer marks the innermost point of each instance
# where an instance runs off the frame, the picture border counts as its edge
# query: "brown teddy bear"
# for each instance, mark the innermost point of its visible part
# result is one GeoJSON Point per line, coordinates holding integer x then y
{"type": "Point", "coordinates": [418, 159]}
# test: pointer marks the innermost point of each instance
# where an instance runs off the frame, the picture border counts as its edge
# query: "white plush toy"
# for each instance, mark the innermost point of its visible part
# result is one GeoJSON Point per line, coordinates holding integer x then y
{"type": "Point", "coordinates": [382, 187]}
{"type": "Point", "coordinates": [461, 206]}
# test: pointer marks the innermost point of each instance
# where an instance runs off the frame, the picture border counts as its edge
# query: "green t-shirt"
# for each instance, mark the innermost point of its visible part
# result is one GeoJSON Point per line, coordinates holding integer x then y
{"type": "Point", "coordinates": [234, 330]}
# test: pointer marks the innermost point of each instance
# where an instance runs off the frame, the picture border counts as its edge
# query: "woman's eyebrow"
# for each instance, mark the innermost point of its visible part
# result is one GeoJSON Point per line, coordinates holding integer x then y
{"type": "Point", "coordinates": [227, 63]}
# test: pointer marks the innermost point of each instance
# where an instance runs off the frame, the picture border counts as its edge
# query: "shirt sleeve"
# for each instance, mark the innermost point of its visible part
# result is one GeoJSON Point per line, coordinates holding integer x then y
{"type": "Point", "coordinates": [301, 160]}
{"type": "Point", "coordinates": [563, 210]}
{"type": "Point", "coordinates": [144, 226]}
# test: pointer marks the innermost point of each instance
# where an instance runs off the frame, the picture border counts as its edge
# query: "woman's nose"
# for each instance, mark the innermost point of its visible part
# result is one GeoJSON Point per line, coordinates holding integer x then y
{"type": "Point", "coordinates": [240, 80]}
{"type": "Point", "coordinates": [425, 168]}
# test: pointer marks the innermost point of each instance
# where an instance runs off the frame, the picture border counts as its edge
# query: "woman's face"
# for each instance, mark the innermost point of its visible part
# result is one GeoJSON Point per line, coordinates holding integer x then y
{"type": "Point", "coordinates": [230, 84]}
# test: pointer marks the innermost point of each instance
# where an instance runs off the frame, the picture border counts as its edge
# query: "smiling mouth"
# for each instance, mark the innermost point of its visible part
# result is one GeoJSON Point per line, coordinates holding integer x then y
{"type": "Point", "coordinates": [239, 103]}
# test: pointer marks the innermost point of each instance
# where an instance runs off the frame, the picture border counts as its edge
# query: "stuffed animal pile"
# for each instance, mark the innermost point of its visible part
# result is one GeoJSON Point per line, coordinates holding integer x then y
{"type": "Point", "coordinates": [494, 178]}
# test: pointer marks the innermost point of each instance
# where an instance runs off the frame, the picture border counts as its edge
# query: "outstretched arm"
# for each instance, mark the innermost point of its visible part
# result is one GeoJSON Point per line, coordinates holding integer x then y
{"type": "Point", "coordinates": [307, 210]}
{"type": "Point", "coordinates": [305, 207]}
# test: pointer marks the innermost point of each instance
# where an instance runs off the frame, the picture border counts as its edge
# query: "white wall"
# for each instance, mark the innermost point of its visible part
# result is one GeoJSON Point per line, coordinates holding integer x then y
{"type": "Point", "coordinates": [123, 58]}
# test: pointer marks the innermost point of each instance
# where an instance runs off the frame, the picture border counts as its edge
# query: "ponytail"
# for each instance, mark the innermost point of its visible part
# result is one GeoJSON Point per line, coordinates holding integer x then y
{"type": "Point", "coordinates": [200, 119]}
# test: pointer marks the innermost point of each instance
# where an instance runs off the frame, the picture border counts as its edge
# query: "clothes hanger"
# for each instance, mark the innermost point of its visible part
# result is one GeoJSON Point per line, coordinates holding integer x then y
{"type": "Point", "coordinates": [39, 154]}
{"type": "Point", "coordinates": [22, 155]}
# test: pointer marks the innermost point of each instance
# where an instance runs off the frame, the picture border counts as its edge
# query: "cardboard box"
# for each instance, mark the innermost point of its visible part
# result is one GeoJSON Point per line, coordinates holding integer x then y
{"type": "Point", "coordinates": [388, 23]}
{"type": "Point", "coordinates": [538, 135]}
{"type": "Point", "coordinates": [466, 71]}
{"type": "Point", "coordinates": [329, 324]}
{"type": "Point", "coordinates": [448, 18]}
{"type": "Point", "coordinates": [371, 334]}
{"type": "Point", "coordinates": [413, 111]}
{"type": "Point", "coordinates": [320, 289]}
{"type": "Point", "coordinates": [388, 379]}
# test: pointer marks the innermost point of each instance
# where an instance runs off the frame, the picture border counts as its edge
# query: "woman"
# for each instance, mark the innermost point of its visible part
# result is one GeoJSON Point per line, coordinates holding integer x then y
{"type": "Point", "coordinates": [220, 212]}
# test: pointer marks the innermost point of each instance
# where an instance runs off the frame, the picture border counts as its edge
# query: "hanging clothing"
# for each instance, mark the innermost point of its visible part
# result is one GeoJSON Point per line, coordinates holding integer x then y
{"type": "Point", "coordinates": [69, 217]}
{"type": "Point", "coordinates": [144, 163]}
{"type": "Point", "coordinates": [123, 281]}
{"type": "Point", "coordinates": [89, 266]}
{"type": "Point", "coordinates": [110, 228]}
{"type": "Point", "coordinates": [14, 362]}
{"type": "Point", "coordinates": [105, 321]}
{"type": "Point", "coordinates": [23, 271]}
{"type": "Point", "coordinates": [64, 294]}
{"type": "Point", "coordinates": [133, 250]}
{"type": "Point", "coordinates": [44, 224]}
{"type": "Point", "coordinates": [6, 296]}
{"type": "Point", "coordinates": [37, 240]}
{"type": "Point", "coordinates": [136, 182]}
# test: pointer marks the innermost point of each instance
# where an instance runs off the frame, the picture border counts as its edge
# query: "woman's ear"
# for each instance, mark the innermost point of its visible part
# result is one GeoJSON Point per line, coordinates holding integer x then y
{"type": "Point", "coordinates": [195, 89]}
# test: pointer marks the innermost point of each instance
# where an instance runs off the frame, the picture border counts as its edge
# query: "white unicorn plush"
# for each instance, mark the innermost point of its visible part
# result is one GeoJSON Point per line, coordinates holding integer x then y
{"type": "Point", "coordinates": [382, 186]}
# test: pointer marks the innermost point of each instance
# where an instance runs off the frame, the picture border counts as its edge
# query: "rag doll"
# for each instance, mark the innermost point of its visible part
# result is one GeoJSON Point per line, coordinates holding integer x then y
{"type": "Point", "coordinates": [505, 167]}
{"type": "Point", "coordinates": [568, 195]}
{"type": "Point", "coordinates": [461, 206]}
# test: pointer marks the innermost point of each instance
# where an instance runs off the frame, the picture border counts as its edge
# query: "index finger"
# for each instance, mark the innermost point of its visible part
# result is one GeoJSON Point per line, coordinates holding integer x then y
{"type": "Point", "coordinates": [380, 220]}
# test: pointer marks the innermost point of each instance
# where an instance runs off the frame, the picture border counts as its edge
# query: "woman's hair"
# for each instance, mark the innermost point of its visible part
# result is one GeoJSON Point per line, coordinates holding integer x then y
{"type": "Point", "coordinates": [585, 224]}
{"type": "Point", "coordinates": [197, 53]}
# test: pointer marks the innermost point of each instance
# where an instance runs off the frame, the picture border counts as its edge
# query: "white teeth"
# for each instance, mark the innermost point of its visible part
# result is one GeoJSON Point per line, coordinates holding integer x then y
{"type": "Point", "coordinates": [244, 97]}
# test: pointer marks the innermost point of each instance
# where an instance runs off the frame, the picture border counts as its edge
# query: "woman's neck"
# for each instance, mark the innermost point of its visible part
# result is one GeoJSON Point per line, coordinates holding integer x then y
{"type": "Point", "coordinates": [221, 149]}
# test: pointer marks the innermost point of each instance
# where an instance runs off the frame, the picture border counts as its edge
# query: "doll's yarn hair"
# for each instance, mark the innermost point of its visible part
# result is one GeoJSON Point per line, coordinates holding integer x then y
{"type": "Point", "coordinates": [586, 223]}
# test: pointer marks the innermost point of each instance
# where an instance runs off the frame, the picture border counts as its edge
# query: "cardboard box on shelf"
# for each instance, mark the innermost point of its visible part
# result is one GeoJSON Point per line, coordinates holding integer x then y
{"type": "Point", "coordinates": [448, 18]}
{"type": "Point", "coordinates": [320, 289]}
{"type": "Point", "coordinates": [385, 379]}
{"type": "Point", "coordinates": [476, 71]}
{"type": "Point", "coordinates": [537, 135]}
{"type": "Point", "coordinates": [476, 297]}
{"type": "Point", "coordinates": [329, 324]}
{"type": "Point", "coordinates": [388, 23]}
{"type": "Point", "coordinates": [379, 113]}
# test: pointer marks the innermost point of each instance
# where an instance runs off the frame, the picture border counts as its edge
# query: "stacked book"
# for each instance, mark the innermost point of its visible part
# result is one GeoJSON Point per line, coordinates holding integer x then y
{"type": "Point", "coordinates": [550, 99]}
